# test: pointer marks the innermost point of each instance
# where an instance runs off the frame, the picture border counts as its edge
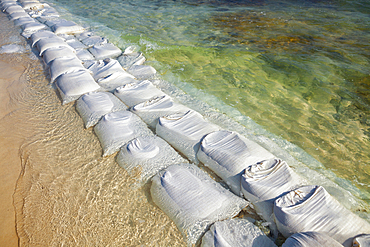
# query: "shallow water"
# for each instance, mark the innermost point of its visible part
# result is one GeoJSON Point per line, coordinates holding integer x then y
{"type": "Point", "coordinates": [300, 70]}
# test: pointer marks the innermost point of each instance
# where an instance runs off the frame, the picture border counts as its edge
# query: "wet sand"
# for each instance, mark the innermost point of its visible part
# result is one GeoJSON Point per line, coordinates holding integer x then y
{"type": "Point", "coordinates": [13, 74]}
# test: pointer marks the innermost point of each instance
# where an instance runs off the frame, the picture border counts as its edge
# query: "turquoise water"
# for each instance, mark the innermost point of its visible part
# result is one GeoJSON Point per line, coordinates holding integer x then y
{"type": "Point", "coordinates": [298, 69]}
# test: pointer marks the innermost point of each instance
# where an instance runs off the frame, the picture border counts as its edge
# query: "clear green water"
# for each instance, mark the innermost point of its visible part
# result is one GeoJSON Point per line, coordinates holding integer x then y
{"type": "Point", "coordinates": [300, 69]}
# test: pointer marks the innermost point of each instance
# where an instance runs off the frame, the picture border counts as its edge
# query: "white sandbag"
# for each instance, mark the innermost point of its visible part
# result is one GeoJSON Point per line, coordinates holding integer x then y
{"type": "Point", "coordinates": [193, 200]}
{"type": "Point", "coordinates": [116, 129]}
{"type": "Point", "coordinates": [58, 52]}
{"type": "Point", "coordinates": [117, 79]}
{"type": "Point", "coordinates": [311, 208]}
{"type": "Point", "coordinates": [46, 12]}
{"type": "Point", "coordinates": [361, 241]}
{"type": "Point", "coordinates": [41, 35]}
{"type": "Point", "coordinates": [151, 110]}
{"type": "Point", "coordinates": [14, 8]}
{"type": "Point", "coordinates": [128, 60]}
{"type": "Point", "coordinates": [228, 154]}
{"type": "Point", "coordinates": [33, 27]}
{"type": "Point", "coordinates": [235, 233]}
{"type": "Point", "coordinates": [142, 71]}
{"type": "Point", "coordinates": [54, 42]}
{"type": "Point", "coordinates": [147, 156]}
{"type": "Point", "coordinates": [75, 44]}
{"type": "Point", "coordinates": [64, 65]}
{"type": "Point", "coordinates": [310, 239]}
{"type": "Point", "coordinates": [92, 106]}
{"type": "Point", "coordinates": [107, 50]}
{"type": "Point", "coordinates": [67, 27]}
{"type": "Point", "coordinates": [184, 131]}
{"type": "Point", "coordinates": [33, 5]}
{"type": "Point", "coordinates": [50, 22]}
{"type": "Point", "coordinates": [135, 93]}
{"type": "Point", "coordinates": [84, 35]}
{"type": "Point", "coordinates": [84, 55]}
{"type": "Point", "coordinates": [72, 85]}
{"type": "Point", "coordinates": [23, 20]}
{"type": "Point", "coordinates": [262, 183]}
{"type": "Point", "coordinates": [106, 67]}
{"type": "Point", "coordinates": [6, 4]}
{"type": "Point", "coordinates": [94, 40]}
{"type": "Point", "coordinates": [17, 15]}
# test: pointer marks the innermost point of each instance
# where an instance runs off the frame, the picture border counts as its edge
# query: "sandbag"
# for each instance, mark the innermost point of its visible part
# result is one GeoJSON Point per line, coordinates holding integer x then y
{"type": "Point", "coordinates": [84, 55]}
{"type": "Point", "coordinates": [94, 40]}
{"type": "Point", "coordinates": [116, 129]}
{"type": "Point", "coordinates": [23, 20]}
{"type": "Point", "coordinates": [64, 65]}
{"type": "Point", "coordinates": [311, 208]}
{"type": "Point", "coordinates": [33, 5]}
{"type": "Point", "coordinates": [310, 239]}
{"type": "Point", "coordinates": [46, 43]}
{"type": "Point", "coordinates": [32, 27]}
{"type": "Point", "coordinates": [72, 85]}
{"type": "Point", "coordinates": [46, 12]}
{"type": "Point", "coordinates": [17, 15]}
{"type": "Point", "coordinates": [235, 233]}
{"type": "Point", "coordinates": [361, 241]}
{"type": "Point", "coordinates": [128, 60]}
{"type": "Point", "coordinates": [57, 52]}
{"type": "Point", "coordinates": [111, 82]}
{"type": "Point", "coordinates": [135, 93]}
{"type": "Point", "coordinates": [228, 154]}
{"type": "Point", "coordinates": [92, 106]}
{"type": "Point", "coordinates": [151, 110]}
{"type": "Point", "coordinates": [75, 44]}
{"type": "Point", "coordinates": [193, 200]}
{"type": "Point", "coordinates": [42, 34]}
{"type": "Point", "coordinates": [142, 72]}
{"type": "Point", "coordinates": [107, 50]}
{"type": "Point", "coordinates": [184, 131]}
{"type": "Point", "coordinates": [67, 27]}
{"type": "Point", "coordinates": [14, 8]}
{"type": "Point", "coordinates": [146, 156]}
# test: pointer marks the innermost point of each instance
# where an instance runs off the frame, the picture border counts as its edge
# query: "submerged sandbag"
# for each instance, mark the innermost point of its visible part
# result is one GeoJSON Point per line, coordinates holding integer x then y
{"type": "Point", "coordinates": [116, 129]}
{"type": "Point", "coordinates": [57, 52]}
{"type": "Point", "coordinates": [92, 106]}
{"type": "Point", "coordinates": [262, 183]}
{"type": "Point", "coordinates": [361, 241]}
{"type": "Point", "coordinates": [107, 50]}
{"type": "Point", "coordinates": [184, 131]}
{"type": "Point", "coordinates": [228, 154]}
{"type": "Point", "coordinates": [193, 200]}
{"type": "Point", "coordinates": [142, 71]}
{"type": "Point", "coordinates": [235, 233]}
{"type": "Point", "coordinates": [72, 85]}
{"type": "Point", "coordinates": [66, 27]}
{"type": "Point", "coordinates": [92, 40]}
{"type": "Point", "coordinates": [128, 60]}
{"type": "Point", "coordinates": [151, 110]}
{"type": "Point", "coordinates": [134, 93]}
{"type": "Point", "coordinates": [64, 65]}
{"type": "Point", "coordinates": [146, 156]}
{"type": "Point", "coordinates": [312, 208]}
{"type": "Point", "coordinates": [310, 239]}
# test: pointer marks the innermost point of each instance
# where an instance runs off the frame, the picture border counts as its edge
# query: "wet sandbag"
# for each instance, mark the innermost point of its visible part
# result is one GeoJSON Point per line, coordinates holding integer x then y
{"type": "Point", "coordinates": [64, 65]}
{"type": "Point", "coordinates": [151, 110]}
{"type": "Point", "coordinates": [107, 50]}
{"type": "Point", "coordinates": [142, 72]}
{"type": "Point", "coordinates": [310, 239]}
{"type": "Point", "coordinates": [94, 40]}
{"type": "Point", "coordinates": [92, 106]}
{"type": "Point", "coordinates": [134, 93]}
{"type": "Point", "coordinates": [228, 154]}
{"type": "Point", "coordinates": [128, 60]}
{"type": "Point", "coordinates": [235, 233]}
{"type": "Point", "coordinates": [58, 52]}
{"type": "Point", "coordinates": [361, 241]}
{"type": "Point", "coordinates": [185, 131]}
{"type": "Point", "coordinates": [42, 34]}
{"type": "Point", "coordinates": [146, 156]}
{"type": "Point", "coordinates": [66, 27]}
{"type": "Point", "coordinates": [263, 182]}
{"type": "Point", "coordinates": [116, 129]}
{"type": "Point", "coordinates": [193, 200]}
{"type": "Point", "coordinates": [47, 43]}
{"type": "Point", "coordinates": [72, 85]}
{"type": "Point", "coordinates": [312, 208]}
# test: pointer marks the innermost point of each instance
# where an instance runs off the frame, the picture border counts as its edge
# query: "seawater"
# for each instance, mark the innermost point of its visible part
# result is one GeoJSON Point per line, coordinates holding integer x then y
{"type": "Point", "coordinates": [294, 74]}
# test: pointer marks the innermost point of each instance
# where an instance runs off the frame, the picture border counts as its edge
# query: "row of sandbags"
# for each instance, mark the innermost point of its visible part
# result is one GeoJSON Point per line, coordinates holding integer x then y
{"type": "Point", "coordinates": [113, 98]}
